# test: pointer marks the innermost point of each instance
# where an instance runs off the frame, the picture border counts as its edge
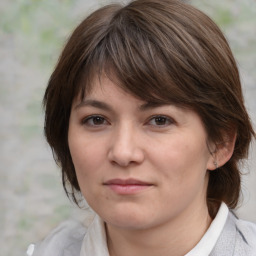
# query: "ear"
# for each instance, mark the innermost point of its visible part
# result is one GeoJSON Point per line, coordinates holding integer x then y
{"type": "Point", "coordinates": [222, 152]}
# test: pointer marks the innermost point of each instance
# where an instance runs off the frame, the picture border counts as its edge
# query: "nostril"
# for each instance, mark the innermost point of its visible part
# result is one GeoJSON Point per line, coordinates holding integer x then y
{"type": "Point", "coordinates": [120, 157]}
{"type": "Point", "coordinates": [125, 149]}
{"type": "Point", "coordinates": [124, 157]}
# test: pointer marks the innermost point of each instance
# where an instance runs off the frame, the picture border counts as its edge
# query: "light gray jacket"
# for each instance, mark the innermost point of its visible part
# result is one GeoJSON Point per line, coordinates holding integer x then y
{"type": "Point", "coordinates": [238, 238]}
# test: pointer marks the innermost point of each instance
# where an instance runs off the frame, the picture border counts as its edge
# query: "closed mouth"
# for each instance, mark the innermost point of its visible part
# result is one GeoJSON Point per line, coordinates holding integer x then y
{"type": "Point", "coordinates": [127, 186]}
{"type": "Point", "coordinates": [127, 182]}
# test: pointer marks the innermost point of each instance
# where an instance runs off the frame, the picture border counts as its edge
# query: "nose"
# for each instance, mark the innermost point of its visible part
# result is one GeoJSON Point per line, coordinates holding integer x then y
{"type": "Point", "coordinates": [125, 147]}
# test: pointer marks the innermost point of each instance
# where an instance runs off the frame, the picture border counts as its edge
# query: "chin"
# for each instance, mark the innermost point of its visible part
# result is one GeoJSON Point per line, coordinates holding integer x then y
{"type": "Point", "coordinates": [127, 219]}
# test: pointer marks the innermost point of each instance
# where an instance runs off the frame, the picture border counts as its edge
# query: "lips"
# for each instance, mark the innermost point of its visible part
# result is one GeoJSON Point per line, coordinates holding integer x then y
{"type": "Point", "coordinates": [126, 182]}
{"type": "Point", "coordinates": [127, 186]}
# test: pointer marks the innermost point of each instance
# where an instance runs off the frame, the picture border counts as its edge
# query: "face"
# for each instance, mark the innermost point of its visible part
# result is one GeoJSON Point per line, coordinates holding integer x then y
{"type": "Point", "coordinates": [138, 165]}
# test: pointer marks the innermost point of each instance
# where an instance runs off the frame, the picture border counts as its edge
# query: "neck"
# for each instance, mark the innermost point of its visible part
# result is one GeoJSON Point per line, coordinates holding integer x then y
{"type": "Point", "coordinates": [175, 238]}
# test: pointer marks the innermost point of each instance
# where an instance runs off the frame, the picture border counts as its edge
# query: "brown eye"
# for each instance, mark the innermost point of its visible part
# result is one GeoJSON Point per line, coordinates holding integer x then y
{"type": "Point", "coordinates": [94, 121]}
{"type": "Point", "coordinates": [98, 120]}
{"type": "Point", "coordinates": [160, 121]}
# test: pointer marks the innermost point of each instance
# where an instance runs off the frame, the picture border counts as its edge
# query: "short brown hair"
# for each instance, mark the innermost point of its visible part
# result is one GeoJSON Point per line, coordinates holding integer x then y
{"type": "Point", "coordinates": [160, 51]}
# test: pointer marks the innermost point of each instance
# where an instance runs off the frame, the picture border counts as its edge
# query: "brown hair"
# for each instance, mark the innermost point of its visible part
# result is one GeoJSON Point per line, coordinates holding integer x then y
{"type": "Point", "coordinates": [159, 51]}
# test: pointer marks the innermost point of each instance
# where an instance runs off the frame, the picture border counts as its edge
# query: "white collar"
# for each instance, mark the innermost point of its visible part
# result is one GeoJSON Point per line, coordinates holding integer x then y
{"type": "Point", "coordinates": [208, 241]}
{"type": "Point", "coordinates": [95, 242]}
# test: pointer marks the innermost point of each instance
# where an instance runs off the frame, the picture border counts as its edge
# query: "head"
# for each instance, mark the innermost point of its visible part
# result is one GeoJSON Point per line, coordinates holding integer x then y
{"type": "Point", "coordinates": [162, 52]}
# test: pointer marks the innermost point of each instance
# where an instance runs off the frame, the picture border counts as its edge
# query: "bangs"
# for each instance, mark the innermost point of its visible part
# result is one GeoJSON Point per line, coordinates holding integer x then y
{"type": "Point", "coordinates": [132, 57]}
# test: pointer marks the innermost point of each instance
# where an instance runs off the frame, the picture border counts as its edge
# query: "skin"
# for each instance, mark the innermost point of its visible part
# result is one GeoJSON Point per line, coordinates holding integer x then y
{"type": "Point", "coordinates": [113, 135]}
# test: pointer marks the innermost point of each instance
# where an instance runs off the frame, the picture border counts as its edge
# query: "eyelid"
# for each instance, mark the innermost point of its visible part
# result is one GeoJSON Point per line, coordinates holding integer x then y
{"type": "Point", "coordinates": [168, 118]}
{"type": "Point", "coordinates": [85, 120]}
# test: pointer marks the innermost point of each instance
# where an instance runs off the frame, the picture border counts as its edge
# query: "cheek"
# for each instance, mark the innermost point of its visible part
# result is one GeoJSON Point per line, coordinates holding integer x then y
{"type": "Point", "coordinates": [77, 150]}
{"type": "Point", "coordinates": [87, 162]}
{"type": "Point", "coordinates": [183, 172]}
{"type": "Point", "coordinates": [86, 159]}
{"type": "Point", "coordinates": [89, 159]}
{"type": "Point", "coordinates": [182, 159]}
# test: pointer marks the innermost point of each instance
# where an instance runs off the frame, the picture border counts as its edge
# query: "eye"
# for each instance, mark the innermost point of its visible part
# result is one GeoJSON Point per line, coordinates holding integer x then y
{"type": "Point", "coordinates": [160, 121]}
{"type": "Point", "coordinates": [95, 120]}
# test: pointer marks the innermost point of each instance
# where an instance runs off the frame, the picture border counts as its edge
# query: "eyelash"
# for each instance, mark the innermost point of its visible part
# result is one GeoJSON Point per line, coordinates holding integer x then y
{"type": "Point", "coordinates": [166, 119]}
{"type": "Point", "coordinates": [92, 118]}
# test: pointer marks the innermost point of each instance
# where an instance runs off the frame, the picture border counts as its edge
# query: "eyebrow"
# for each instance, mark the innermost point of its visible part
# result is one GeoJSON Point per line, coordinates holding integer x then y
{"type": "Point", "coordinates": [104, 106]}
{"type": "Point", "coordinates": [94, 103]}
{"type": "Point", "coordinates": [150, 105]}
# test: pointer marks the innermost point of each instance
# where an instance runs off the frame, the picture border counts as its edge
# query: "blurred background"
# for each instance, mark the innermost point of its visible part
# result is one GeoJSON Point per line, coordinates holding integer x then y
{"type": "Point", "coordinates": [32, 34]}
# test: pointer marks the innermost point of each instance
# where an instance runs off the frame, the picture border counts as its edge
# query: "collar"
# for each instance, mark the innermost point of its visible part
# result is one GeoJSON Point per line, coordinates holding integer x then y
{"type": "Point", "coordinates": [95, 243]}
{"type": "Point", "coordinates": [208, 241]}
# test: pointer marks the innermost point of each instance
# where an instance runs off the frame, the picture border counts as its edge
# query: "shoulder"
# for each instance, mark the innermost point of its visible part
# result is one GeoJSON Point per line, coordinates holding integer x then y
{"type": "Point", "coordinates": [238, 238]}
{"type": "Point", "coordinates": [246, 233]}
{"type": "Point", "coordinates": [64, 240]}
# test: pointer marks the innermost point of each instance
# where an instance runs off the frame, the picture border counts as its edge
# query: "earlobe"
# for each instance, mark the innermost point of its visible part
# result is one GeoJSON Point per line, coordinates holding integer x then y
{"type": "Point", "coordinates": [223, 152]}
{"type": "Point", "coordinates": [213, 160]}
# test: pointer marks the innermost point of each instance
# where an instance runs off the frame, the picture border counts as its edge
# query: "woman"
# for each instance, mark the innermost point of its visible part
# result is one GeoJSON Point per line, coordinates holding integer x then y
{"type": "Point", "coordinates": [145, 116]}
